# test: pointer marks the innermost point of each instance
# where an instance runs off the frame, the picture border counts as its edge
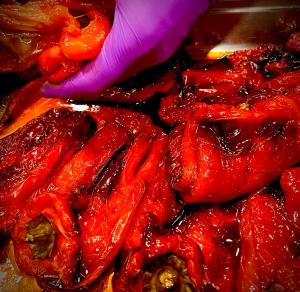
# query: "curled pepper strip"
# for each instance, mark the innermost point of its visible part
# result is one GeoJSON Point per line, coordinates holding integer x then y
{"type": "Point", "coordinates": [219, 140]}
{"type": "Point", "coordinates": [46, 242]}
{"type": "Point", "coordinates": [115, 209]}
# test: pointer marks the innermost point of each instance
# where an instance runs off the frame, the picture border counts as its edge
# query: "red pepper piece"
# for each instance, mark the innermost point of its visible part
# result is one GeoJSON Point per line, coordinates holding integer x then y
{"type": "Point", "coordinates": [59, 263]}
{"type": "Point", "coordinates": [115, 209]}
{"type": "Point", "coordinates": [267, 241]}
{"type": "Point", "coordinates": [84, 44]}
{"type": "Point", "coordinates": [253, 55]}
{"type": "Point", "coordinates": [55, 66]}
{"type": "Point", "coordinates": [44, 144]}
{"type": "Point", "coordinates": [157, 208]}
{"type": "Point", "coordinates": [242, 150]}
{"type": "Point", "coordinates": [212, 86]}
{"type": "Point", "coordinates": [211, 232]}
{"type": "Point", "coordinates": [290, 183]}
{"type": "Point", "coordinates": [285, 83]}
{"type": "Point", "coordinates": [226, 86]}
{"type": "Point", "coordinates": [239, 79]}
{"type": "Point", "coordinates": [61, 61]}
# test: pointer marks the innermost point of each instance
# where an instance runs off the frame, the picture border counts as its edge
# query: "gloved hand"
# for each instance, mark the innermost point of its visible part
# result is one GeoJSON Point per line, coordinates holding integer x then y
{"type": "Point", "coordinates": [144, 33]}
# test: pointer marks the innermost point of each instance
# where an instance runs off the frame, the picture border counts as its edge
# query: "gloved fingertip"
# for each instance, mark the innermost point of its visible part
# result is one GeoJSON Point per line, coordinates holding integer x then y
{"type": "Point", "coordinates": [50, 90]}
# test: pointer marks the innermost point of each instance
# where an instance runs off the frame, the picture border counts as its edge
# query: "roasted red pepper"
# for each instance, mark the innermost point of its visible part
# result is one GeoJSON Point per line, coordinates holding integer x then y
{"type": "Point", "coordinates": [208, 241]}
{"type": "Point", "coordinates": [46, 241]}
{"type": "Point", "coordinates": [240, 79]}
{"type": "Point", "coordinates": [240, 149]}
{"type": "Point", "coordinates": [293, 43]}
{"type": "Point", "coordinates": [157, 208]}
{"type": "Point", "coordinates": [131, 94]}
{"type": "Point", "coordinates": [84, 207]}
{"type": "Point", "coordinates": [33, 153]}
{"type": "Point", "coordinates": [115, 207]}
{"type": "Point", "coordinates": [182, 246]}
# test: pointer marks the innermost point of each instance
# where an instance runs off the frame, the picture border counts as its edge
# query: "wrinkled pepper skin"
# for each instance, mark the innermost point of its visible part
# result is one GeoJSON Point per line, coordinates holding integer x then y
{"type": "Point", "coordinates": [34, 152]}
{"type": "Point", "coordinates": [115, 208]}
{"type": "Point", "coordinates": [60, 265]}
{"type": "Point", "coordinates": [242, 150]}
{"type": "Point", "coordinates": [267, 243]}
{"type": "Point", "coordinates": [79, 173]}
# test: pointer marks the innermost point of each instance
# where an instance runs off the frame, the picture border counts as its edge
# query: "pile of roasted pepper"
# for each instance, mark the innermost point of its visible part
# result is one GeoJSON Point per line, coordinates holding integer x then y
{"type": "Point", "coordinates": [200, 193]}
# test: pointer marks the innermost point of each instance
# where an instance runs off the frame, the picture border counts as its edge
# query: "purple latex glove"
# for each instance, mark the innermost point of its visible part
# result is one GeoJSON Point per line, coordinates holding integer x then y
{"type": "Point", "coordinates": [144, 33]}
